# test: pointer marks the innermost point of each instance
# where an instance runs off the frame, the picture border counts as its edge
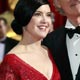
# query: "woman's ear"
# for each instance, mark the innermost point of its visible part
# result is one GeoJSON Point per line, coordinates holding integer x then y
{"type": "Point", "coordinates": [24, 28]}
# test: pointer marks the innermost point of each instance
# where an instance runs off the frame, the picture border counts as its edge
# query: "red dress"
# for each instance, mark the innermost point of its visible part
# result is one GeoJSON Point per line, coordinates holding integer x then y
{"type": "Point", "coordinates": [13, 68]}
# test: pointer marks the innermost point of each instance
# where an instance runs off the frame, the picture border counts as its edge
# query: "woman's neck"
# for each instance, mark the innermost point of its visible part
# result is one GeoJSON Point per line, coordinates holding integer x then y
{"type": "Point", "coordinates": [28, 39]}
{"type": "Point", "coordinates": [29, 43]}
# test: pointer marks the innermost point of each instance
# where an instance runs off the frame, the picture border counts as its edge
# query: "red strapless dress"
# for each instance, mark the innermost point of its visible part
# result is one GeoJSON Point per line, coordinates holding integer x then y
{"type": "Point", "coordinates": [13, 68]}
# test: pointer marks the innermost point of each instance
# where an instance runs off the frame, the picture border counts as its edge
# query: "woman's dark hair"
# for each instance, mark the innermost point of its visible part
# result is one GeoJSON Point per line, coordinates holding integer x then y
{"type": "Point", "coordinates": [24, 11]}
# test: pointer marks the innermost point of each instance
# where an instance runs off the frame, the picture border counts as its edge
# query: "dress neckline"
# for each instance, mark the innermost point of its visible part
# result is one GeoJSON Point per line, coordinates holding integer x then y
{"type": "Point", "coordinates": [12, 55]}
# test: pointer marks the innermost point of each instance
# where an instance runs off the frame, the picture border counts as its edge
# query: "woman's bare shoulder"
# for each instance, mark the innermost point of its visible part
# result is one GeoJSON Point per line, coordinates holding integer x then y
{"type": "Point", "coordinates": [16, 50]}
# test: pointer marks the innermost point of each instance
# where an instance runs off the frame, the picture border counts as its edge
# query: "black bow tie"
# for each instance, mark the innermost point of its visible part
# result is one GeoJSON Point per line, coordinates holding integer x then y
{"type": "Point", "coordinates": [71, 32]}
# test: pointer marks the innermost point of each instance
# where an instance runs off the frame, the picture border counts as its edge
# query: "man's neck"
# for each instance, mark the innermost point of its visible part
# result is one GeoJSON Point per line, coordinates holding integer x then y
{"type": "Point", "coordinates": [75, 21]}
{"type": "Point", "coordinates": [69, 25]}
{"type": "Point", "coordinates": [2, 39]}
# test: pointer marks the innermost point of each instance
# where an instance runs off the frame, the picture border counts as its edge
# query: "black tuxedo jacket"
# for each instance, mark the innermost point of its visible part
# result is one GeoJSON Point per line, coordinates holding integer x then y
{"type": "Point", "coordinates": [9, 44]}
{"type": "Point", "coordinates": [56, 41]}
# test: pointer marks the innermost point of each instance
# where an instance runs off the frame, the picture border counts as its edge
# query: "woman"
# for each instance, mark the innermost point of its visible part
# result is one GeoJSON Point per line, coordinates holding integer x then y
{"type": "Point", "coordinates": [29, 60]}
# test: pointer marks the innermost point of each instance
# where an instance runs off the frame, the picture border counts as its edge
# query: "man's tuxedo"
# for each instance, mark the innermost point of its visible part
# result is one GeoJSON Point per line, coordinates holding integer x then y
{"type": "Point", "coordinates": [78, 74]}
{"type": "Point", "coordinates": [9, 44]}
{"type": "Point", "coordinates": [56, 41]}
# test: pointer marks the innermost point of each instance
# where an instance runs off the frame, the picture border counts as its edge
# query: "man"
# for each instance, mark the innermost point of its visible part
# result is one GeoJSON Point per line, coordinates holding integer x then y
{"type": "Point", "coordinates": [66, 48]}
{"type": "Point", "coordinates": [6, 43]}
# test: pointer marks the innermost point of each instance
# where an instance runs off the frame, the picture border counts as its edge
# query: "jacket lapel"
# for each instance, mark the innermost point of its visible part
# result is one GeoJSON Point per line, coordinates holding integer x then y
{"type": "Point", "coordinates": [61, 56]}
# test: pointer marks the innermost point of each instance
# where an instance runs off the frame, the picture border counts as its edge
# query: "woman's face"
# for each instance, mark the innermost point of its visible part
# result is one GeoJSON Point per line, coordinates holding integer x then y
{"type": "Point", "coordinates": [40, 22]}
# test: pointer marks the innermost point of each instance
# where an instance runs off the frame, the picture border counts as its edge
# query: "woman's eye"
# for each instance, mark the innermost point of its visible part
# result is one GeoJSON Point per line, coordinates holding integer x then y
{"type": "Point", "coordinates": [49, 15]}
{"type": "Point", "coordinates": [37, 14]}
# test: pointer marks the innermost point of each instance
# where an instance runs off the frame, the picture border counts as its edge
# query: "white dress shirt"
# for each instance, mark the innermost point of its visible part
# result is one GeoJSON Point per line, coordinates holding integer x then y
{"type": "Point", "coordinates": [2, 49]}
{"type": "Point", "coordinates": [73, 47]}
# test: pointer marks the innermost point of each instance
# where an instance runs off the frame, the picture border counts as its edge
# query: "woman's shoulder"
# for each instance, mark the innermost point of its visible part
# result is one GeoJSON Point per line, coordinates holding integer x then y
{"type": "Point", "coordinates": [16, 50]}
{"type": "Point", "coordinates": [11, 60]}
{"type": "Point", "coordinates": [8, 58]}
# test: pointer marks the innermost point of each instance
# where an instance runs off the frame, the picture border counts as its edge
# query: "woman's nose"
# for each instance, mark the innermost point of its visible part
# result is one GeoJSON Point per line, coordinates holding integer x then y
{"type": "Point", "coordinates": [44, 19]}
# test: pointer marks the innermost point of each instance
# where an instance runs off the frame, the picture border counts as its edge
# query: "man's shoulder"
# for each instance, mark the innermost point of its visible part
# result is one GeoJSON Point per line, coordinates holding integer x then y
{"type": "Point", "coordinates": [59, 31]}
{"type": "Point", "coordinates": [11, 40]}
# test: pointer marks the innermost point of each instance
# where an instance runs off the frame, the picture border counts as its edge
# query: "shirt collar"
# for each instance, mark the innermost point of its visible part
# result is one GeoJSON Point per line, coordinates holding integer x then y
{"type": "Point", "coordinates": [69, 25]}
{"type": "Point", "coordinates": [3, 39]}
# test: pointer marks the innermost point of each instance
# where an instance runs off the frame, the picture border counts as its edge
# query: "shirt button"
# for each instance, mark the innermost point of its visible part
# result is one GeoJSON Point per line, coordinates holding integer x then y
{"type": "Point", "coordinates": [77, 36]}
{"type": "Point", "coordinates": [76, 54]}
